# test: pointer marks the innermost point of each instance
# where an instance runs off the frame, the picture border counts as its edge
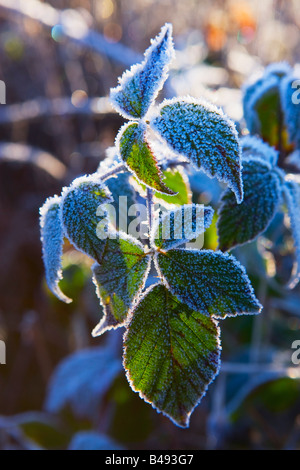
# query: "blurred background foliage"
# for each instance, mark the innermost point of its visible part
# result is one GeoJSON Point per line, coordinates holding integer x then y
{"type": "Point", "coordinates": [60, 388]}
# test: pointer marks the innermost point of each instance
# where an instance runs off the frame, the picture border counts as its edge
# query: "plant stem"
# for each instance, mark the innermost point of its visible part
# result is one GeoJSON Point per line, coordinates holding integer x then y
{"type": "Point", "coordinates": [150, 208]}
{"type": "Point", "coordinates": [116, 169]}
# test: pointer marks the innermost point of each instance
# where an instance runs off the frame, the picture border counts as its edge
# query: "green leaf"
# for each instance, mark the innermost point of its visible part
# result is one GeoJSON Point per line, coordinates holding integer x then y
{"type": "Point", "coordinates": [119, 279]}
{"type": "Point", "coordinates": [239, 224]}
{"type": "Point", "coordinates": [137, 155]}
{"type": "Point", "coordinates": [52, 238]}
{"type": "Point", "coordinates": [180, 226]}
{"type": "Point", "coordinates": [212, 283]}
{"type": "Point", "coordinates": [80, 202]}
{"type": "Point", "coordinates": [171, 354]}
{"type": "Point", "coordinates": [205, 136]}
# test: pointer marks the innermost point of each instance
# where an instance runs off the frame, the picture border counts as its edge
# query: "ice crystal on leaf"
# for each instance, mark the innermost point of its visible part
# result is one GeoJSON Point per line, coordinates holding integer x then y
{"type": "Point", "coordinates": [204, 135]}
{"type": "Point", "coordinates": [140, 85]}
{"type": "Point", "coordinates": [213, 283]}
{"type": "Point", "coordinates": [171, 353]}
{"type": "Point", "coordinates": [52, 238]}
{"type": "Point", "coordinates": [254, 147]}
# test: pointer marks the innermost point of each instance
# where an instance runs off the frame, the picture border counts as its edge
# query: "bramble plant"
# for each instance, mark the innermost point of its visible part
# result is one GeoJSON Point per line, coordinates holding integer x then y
{"type": "Point", "coordinates": [172, 337]}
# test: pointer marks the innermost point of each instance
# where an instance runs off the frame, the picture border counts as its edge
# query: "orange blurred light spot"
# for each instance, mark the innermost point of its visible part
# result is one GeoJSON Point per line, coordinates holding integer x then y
{"type": "Point", "coordinates": [79, 98]}
{"type": "Point", "coordinates": [112, 32]}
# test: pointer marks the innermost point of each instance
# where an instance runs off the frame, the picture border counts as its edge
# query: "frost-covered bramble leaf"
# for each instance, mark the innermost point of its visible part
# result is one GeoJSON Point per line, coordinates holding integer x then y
{"type": "Point", "coordinates": [140, 85]}
{"type": "Point", "coordinates": [91, 440]}
{"type": "Point", "coordinates": [181, 225]}
{"type": "Point", "coordinates": [80, 202]}
{"type": "Point", "coordinates": [204, 135]}
{"type": "Point", "coordinates": [120, 189]}
{"type": "Point", "coordinates": [241, 223]}
{"type": "Point", "coordinates": [138, 157]}
{"type": "Point", "coordinates": [119, 278]}
{"type": "Point", "coordinates": [291, 107]}
{"type": "Point", "coordinates": [81, 380]}
{"type": "Point", "coordinates": [254, 147]}
{"type": "Point", "coordinates": [171, 353]}
{"type": "Point", "coordinates": [213, 283]}
{"type": "Point", "coordinates": [292, 196]}
{"type": "Point", "coordinates": [52, 238]}
{"type": "Point", "coordinates": [263, 107]}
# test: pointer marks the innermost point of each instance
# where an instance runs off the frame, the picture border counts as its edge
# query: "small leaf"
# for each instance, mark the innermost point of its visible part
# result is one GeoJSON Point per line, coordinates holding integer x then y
{"type": "Point", "coordinates": [292, 196]}
{"type": "Point", "coordinates": [120, 188]}
{"type": "Point", "coordinates": [81, 380]}
{"type": "Point", "coordinates": [289, 89]}
{"type": "Point", "coordinates": [202, 133]}
{"type": "Point", "coordinates": [140, 85]}
{"type": "Point", "coordinates": [212, 283]}
{"type": "Point", "coordinates": [52, 238]}
{"type": "Point", "coordinates": [180, 226]}
{"type": "Point", "coordinates": [253, 147]}
{"type": "Point", "coordinates": [171, 354]}
{"type": "Point", "coordinates": [119, 279]}
{"type": "Point", "coordinates": [91, 440]}
{"type": "Point", "coordinates": [239, 224]}
{"type": "Point", "coordinates": [137, 155]}
{"type": "Point", "coordinates": [80, 202]}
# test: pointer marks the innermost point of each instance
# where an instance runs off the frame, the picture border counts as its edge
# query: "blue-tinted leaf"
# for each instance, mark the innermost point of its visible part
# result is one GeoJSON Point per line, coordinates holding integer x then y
{"type": "Point", "coordinates": [119, 279]}
{"type": "Point", "coordinates": [80, 202]}
{"type": "Point", "coordinates": [181, 225]}
{"type": "Point", "coordinates": [292, 196]}
{"type": "Point", "coordinates": [241, 223]}
{"type": "Point", "coordinates": [52, 243]}
{"type": "Point", "coordinates": [253, 147]}
{"type": "Point", "coordinates": [205, 136]}
{"type": "Point", "coordinates": [212, 283]}
{"type": "Point", "coordinates": [91, 440]}
{"type": "Point", "coordinates": [140, 85]}
{"type": "Point", "coordinates": [120, 189]}
{"type": "Point", "coordinates": [81, 380]}
{"type": "Point", "coordinates": [138, 157]}
{"type": "Point", "coordinates": [171, 353]}
{"type": "Point", "coordinates": [291, 107]}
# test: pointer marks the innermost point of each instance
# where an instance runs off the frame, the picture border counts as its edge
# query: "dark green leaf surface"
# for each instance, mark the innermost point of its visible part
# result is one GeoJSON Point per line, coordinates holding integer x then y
{"type": "Point", "coordinates": [292, 196]}
{"type": "Point", "coordinates": [212, 283]}
{"type": "Point", "coordinates": [138, 157]}
{"type": "Point", "coordinates": [79, 213]}
{"type": "Point", "coordinates": [241, 223]}
{"type": "Point", "coordinates": [202, 133]}
{"type": "Point", "coordinates": [119, 278]}
{"type": "Point", "coordinates": [171, 353]}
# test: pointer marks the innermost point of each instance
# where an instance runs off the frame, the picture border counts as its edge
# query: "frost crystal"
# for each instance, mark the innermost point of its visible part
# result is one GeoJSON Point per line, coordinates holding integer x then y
{"type": "Point", "coordinates": [140, 85]}
{"type": "Point", "coordinates": [204, 135]}
{"type": "Point", "coordinates": [52, 244]}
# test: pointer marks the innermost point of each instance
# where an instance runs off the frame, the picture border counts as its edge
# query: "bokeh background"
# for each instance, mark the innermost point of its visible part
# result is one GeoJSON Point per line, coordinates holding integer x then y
{"type": "Point", "coordinates": [58, 60]}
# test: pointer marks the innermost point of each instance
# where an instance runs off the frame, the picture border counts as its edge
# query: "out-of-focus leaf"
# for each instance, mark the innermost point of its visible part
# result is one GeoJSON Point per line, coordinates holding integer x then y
{"type": "Point", "coordinates": [171, 354]}
{"type": "Point", "coordinates": [119, 279]}
{"type": "Point", "coordinates": [80, 202]}
{"type": "Point", "coordinates": [137, 155]}
{"type": "Point", "coordinates": [120, 188]}
{"type": "Point", "coordinates": [179, 226]}
{"type": "Point", "coordinates": [140, 85]}
{"type": "Point", "coordinates": [52, 237]}
{"type": "Point", "coordinates": [292, 196]}
{"type": "Point", "coordinates": [177, 181]}
{"type": "Point", "coordinates": [42, 429]}
{"type": "Point", "coordinates": [241, 223]}
{"type": "Point", "coordinates": [212, 283]}
{"type": "Point", "coordinates": [205, 136]}
{"type": "Point", "coordinates": [91, 440]}
{"type": "Point", "coordinates": [81, 380]}
{"type": "Point", "coordinates": [253, 147]}
{"type": "Point", "coordinates": [291, 107]}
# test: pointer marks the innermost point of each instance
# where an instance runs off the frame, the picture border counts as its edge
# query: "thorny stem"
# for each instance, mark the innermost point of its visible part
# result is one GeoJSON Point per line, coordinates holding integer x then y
{"type": "Point", "coordinates": [117, 169]}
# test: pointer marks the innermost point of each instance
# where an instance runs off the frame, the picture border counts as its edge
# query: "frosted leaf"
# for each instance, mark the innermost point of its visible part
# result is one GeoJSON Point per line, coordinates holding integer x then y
{"type": "Point", "coordinates": [291, 107]}
{"type": "Point", "coordinates": [171, 354]}
{"type": "Point", "coordinates": [204, 135]}
{"type": "Point", "coordinates": [119, 278]}
{"type": "Point", "coordinates": [292, 196]}
{"type": "Point", "coordinates": [120, 189]}
{"type": "Point", "coordinates": [254, 147]}
{"type": "Point", "coordinates": [239, 224]}
{"type": "Point", "coordinates": [81, 380]}
{"type": "Point", "coordinates": [212, 283]}
{"type": "Point", "coordinates": [140, 85]}
{"type": "Point", "coordinates": [138, 157]}
{"type": "Point", "coordinates": [111, 161]}
{"type": "Point", "coordinates": [52, 244]}
{"type": "Point", "coordinates": [80, 202]}
{"type": "Point", "coordinates": [181, 225]}
{"type": "Point", "coordinates": [91, 440]}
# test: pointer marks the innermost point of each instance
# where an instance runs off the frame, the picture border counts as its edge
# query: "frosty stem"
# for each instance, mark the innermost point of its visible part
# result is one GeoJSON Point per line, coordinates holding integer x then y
{"type": "Point", "coordinates": [117, 169]}
{"type": "Point", "coordinates": [149, 198]}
